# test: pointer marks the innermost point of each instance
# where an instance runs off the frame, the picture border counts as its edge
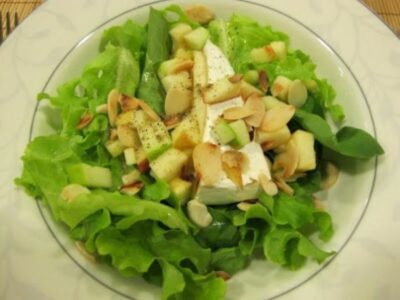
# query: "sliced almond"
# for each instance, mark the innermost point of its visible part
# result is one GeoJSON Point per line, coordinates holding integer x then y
{"type": "Point", "coordinates": [113, 135]}
{"type": "Point", "coordinates": [101, 109]}
{"type": "Point", "coordinates": [130, 178]}
{"type": "Point", "coordinates": [236, 78]}
{"type": "Point", "coordinates": [274, 139]}
{"type": "Point", "coordinates": [283, 186]}
{"type": "Point", "coordinates": [255, 103]}
{"type": "Point", "coordinates": [207, 163]}
{"type": "Point", "coordinates": [225, 276]}
{"type": "Point", "coordinates": [148, 110]}
{"type": "Point", "coordinates": [185, 65]}
{"type": "Point", "coordinates": [178, 100]}
{"type": "Point", "coordinates": [86, 254]}
{"type": "Point", "coordinates": [238, 112]}
{"type": "Point", "coordinates": [198, 213]}
{"type": "Point", "coordinates": [331, 175]}
{"type": "Point", "coordinates": [85, 120]}
{"type": "Point", "coordinates": [277, 117]}
{"type": "Point", "coordinates": [287, 160]}
{"type": "Point", "coordinates": [246, 90]}
{"type": "Point", "coordinates": [127, 136]}
{"type": "Point", "coordinates": [132, 189]}
{"type": "Point", "coordinates": [244, 206]}
{"type": "Point", "coordinates": [128, 103]}
{"type": "Point", "coordinates": [233, 163]}
{"type": "Point", "coordinates": [200, 13]}
{"type": "Point", "coordinates": [268, 185]}
{"type": "Point", "coordinates": [172, 121]}
{"type": "Point", "coordinates": [112, 106]}
{"type": "Point", "coordinates": [263, 80]}
{"type": "Point", "coordinates": [220, 91]}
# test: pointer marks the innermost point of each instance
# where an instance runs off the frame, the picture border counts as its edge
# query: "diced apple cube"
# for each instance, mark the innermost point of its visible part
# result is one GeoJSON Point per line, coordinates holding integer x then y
{"type": "Point", "coordinates": [180, 189]}
{"type": "Point", "coordinates": [251, 77]}
{"type": "Point", "coordinates": [115, 148]}
{"type": "Point", "coordinates": [181, 79]}
{"type": "Point", "coordinates": [127, 136]}
{"type": "Point", "coordinates": [169, 164]}
{"type": "Point", "coordinates": [262, 55]}
{"type": "Point", "coordinates": [130, 156]}
{"type": "Point", "coordinates": [183, 53]}
{"type": "Point", "coordinates": [279, 47]}
{"type": "Point", "coordinates": [280, 87]}
{"type": "Point", "coordinates": [72, 191]}
{"type": "Point", "coordinates": [173, 66]}
{"type": "Point", "coordinates": [197, 38]}
{"type": "Point", "coordinates": [241, 132]}
{"type": "Point", "coordinates": [91, 176]}
{"type": "Point", "coordinates": [187, 134]}
{"type": "Point", "coordinates": [224, 132]}
{"type": "Point", "coordinates": [200, 75]}
{"type": "Point", "coordinates": [178, 32]}
{"type": "Point", "coordinates": [297, 94]}
{"type": "Point", "coordinates": [246, 90]}
{"type": "Point", "coordinates": [305, 144]}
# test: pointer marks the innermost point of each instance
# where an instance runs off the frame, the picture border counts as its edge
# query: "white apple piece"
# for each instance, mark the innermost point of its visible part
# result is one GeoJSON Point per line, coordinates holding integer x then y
{"type": "Point", "coordinates": [178, 100]}
{"type": "Point", "coordinates": [279, 48]}
{"type": "Point", "coordinates": [72, 191]}
{"type": "Point", "coordinates": [297, 93]}
{"type": "Point", "coordinates": [169, 164]}
{"type": "Point", "coordinates": [200, 79]}
{"type": "Point", "coordinates": [130, 156]}
{"type": "Point", "coordinates": [280, 87]}
{"type": "Point", "coordinates": [305, 144]}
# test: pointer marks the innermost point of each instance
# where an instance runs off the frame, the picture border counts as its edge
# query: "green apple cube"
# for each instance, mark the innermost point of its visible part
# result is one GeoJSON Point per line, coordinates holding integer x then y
{"type": "Point", "coordinates": [90, 176]}
{"type": "Point", "coordinates": [224, 132]}
{"type": "Point", "coordinates": [242, 136]}
{"type": "Point", "coordinates": [197, 38]}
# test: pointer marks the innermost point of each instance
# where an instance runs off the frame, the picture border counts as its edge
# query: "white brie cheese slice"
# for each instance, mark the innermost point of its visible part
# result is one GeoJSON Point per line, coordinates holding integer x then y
{"type": "Point", "coordinates": [226, 191]}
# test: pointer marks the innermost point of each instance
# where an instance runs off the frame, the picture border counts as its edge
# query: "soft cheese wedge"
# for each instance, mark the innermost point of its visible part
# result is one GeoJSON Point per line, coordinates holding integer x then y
{"type": "Point", "coordinates": [226, 191]}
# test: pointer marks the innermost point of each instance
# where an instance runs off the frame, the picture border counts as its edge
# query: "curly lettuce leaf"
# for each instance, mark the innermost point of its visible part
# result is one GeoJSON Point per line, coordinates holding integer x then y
{"type": "Point", "coordinates": [130, 35]}
{"type": "Point", "coordinates": [230, 260]}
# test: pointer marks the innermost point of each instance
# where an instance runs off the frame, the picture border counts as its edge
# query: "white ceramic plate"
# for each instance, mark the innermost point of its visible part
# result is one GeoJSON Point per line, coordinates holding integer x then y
{"type": "Point", "coordinates": [351, 47]}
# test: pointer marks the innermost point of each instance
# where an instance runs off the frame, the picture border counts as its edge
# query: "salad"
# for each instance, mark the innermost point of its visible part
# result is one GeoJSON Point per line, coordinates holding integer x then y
{"type": "Point", "coordinates": [189, 145]}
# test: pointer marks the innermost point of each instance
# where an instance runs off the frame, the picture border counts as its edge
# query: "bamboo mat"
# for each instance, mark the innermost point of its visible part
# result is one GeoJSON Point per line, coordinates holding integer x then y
{"type": "Point", "coordinates": [388, 10]}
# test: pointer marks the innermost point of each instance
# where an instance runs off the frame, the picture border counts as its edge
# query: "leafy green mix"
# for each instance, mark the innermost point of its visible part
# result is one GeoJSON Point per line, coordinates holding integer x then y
{"type": "Point", "coordinates": [149, 235]}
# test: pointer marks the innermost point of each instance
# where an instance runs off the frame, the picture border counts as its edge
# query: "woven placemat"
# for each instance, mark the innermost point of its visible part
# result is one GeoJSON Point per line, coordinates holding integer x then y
{"type": "Point", "coordinates": [388, 10]}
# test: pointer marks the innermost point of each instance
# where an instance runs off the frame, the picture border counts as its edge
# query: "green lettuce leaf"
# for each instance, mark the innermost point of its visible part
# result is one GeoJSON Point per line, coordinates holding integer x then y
{"type": "Point", "coordinates": [130, 35]}
{"type": "Point", "coordinates": [288, 247]}
{"type": "Point", "coordinates": [158, 50]}
{"type": "Point", "coordinates": [156, 191]}
{"type": "Point", "coordinates": [230, 260]}
{"type": "Point", "coordinates": [348, 141]}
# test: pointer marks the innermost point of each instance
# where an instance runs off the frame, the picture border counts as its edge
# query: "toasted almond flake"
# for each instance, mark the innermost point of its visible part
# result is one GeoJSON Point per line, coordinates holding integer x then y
{"type": "Point", "coordinates": [255, 103]}
{"type": "Point", "coordinates": [233, 164]}
{"type": "Point", "coordinates": [131, 177]}
{"type": "Point", "coordinates": [283, 186]}
{"type": "Point", "coordinates": [238, 112]}
{"type": "Point", "coordinates": [113, 134]}
{"type": "Point", "coordinates": [148, 110]}
{"type": "Point", "coordinates": [207, 163]}
{"type": "Point", "coordinates": [220, 91]}
{"type": "Point", "coordinates": [244, 206]}
{"type": "Point", "coordinates": [297, 93]}
{"type": "Point", "coordinates": [263, 80]}
{"type": "Point", "coordinates": [128, 103]}
{"type": "Point", "coordinates": [277, 117]}
{"type": "Point", "coordinates": [85, 120]}
{"type": "Point", "coordinates": [295, 176]}
{"type": "Point", "coordinates": [132, 189]}
{"type": "Point", "coordinates": [82, 250]}
{"type": "Point", "coordinates": [318, 204]}
{"type": "Point", "coordinates": [112, 106]}
{"type": "Point", "coordinates": [268, 185]}
{"type": "Point", "coordinates": [172, 121]}
{"type": "Point", "coordinates": [101, 109]}
{"type": "Point", "coordinates": [198, 213]}
{"type": "Point", "coordinates": [236, 78]}
{"type": "Point", "coordinates": [246, 90]}
{"type": "Point", "coordinates": [185, 65]}
{"type": "Point", "coordinates": [225, 276]}
{"type": "Point", "coordinates": [199, 13]}
{"type": "Point", "coordinates": [287, 160]}
{"type": "Point", "coordinates": [144, 166]}
{"type": "Point", "coordinates": [331, 175]}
